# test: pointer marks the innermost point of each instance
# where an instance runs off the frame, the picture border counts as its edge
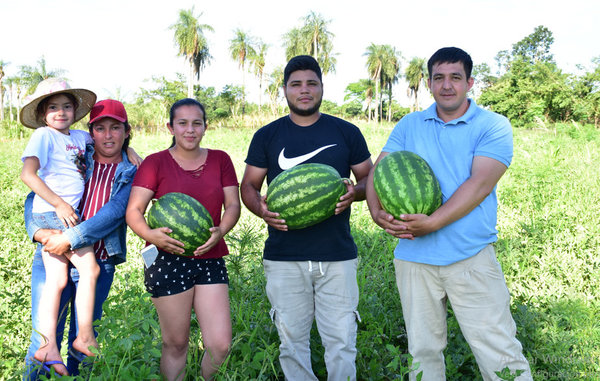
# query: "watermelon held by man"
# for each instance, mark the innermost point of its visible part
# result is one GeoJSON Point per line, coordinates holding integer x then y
{"type": "Point", "coordinates": [185, 216]}
{"type": "Point", "coordinates": [305, 194]}
{"type": "Point", "coordinates": [406, 184]}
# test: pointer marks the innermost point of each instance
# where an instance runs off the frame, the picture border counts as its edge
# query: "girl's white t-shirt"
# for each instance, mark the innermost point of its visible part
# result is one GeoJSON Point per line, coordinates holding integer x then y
{"type": "Point", "coordinates": [62, 164]}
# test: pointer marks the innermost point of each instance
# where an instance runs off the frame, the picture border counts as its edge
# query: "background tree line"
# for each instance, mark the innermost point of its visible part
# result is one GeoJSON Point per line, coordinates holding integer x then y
{"type": "Point", "coordinates": [527, 86]}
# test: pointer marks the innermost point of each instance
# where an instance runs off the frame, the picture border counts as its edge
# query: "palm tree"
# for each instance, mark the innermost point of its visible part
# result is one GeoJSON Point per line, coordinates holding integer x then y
{"type": "Point", "coordinates": [313, 39]}
{"type": "Point", "coordinates": [242, 48]}
{"type": "Point", "coordinates": [32, 76]}
{"type": "Point", "coordinates": [258, 63]}
{"type": "Point", "coordinates": [294, 44]}
{"type": "Point", "coordinates": [201, 59]}
{"type": "Point", "coordinates": [2, 65]}
{"type": "Point", "coordinates": [189, 37]}
{"type": "Point", "coordinates": [275, 85]}
{"type": "Point", "coordinates": [415, 75]}
{"type": "Point", "coordinates": [376, 58]}
{"type": "Point", "coordinates": [389, 73]}
{"type": "Point", "coordinates": [9, 82]}
{"type": "Point", "coordinates": [16, 86]}
{"type": "Point", "coordinates": [315, 30]}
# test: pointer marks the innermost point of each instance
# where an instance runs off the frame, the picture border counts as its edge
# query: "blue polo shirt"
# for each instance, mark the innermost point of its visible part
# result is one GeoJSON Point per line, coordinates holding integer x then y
{"type": "Point", "coordinates": [449, 149]}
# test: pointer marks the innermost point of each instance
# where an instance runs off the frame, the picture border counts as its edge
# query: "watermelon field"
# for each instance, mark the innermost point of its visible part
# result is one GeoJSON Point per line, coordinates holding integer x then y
{"type": "Point", "coordinates": [549, 248]}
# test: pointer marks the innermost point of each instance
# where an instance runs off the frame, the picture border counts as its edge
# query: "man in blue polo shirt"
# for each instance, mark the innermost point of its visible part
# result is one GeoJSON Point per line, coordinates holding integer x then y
{"type": "Point", "coordinates": [449, 254]}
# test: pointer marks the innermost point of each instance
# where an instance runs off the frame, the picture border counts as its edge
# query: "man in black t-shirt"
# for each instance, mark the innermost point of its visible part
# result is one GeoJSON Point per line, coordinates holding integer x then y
{"type": "Point", "coordinates": [311, 272]}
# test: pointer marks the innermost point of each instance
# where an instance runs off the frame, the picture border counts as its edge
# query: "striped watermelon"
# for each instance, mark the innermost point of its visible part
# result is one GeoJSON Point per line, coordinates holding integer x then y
{"type": "Point", "coordinates": [406, 184]}
{"type": "Point", "coordinates": [306, 194]}
{"type": "Point", "coordinates": [185, 215]}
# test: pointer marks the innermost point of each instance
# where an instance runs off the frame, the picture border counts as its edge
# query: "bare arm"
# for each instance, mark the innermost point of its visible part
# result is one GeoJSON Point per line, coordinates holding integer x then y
{"type": "Point", "coordinates": [138, 202]}
{"type": "Point", "coordinates": [231, 214]}
{"type": "Point", "coordinates": [133, 157]}
{"type": "Point", "coordinates": [250, 190]}
{"type": "Point", "coordinates": [29, 176]}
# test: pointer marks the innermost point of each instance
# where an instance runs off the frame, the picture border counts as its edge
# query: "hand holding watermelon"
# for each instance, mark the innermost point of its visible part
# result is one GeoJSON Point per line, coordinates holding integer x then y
{"type": "Point", "coordinates": [180, 224]}
{"type": "Point", "coordinates": [307, 194]}
{"type": "Point", "coordinates": [215, 236]}
{"type": "Point", "coordinates": [160, 237]}
{"type": "Point", "coordinates": [347, 199]}
{"type": "Point", "coordinates": [271, 218]}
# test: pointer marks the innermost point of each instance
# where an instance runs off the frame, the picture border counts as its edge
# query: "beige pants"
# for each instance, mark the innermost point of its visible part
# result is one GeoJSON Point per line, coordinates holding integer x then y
{"type": "Point", "coordinates": [480, 300]}
{"type": "Point", "coordinates": [303, 291]}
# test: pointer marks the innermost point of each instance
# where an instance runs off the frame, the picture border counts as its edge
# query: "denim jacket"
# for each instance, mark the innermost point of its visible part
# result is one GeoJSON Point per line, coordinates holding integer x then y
{"type": "Point", "coordinates": [109, 223]}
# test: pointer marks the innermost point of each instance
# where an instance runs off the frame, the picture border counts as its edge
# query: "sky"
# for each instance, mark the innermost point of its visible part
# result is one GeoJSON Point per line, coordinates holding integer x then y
{"type": "Point", "coordinates": [115, 47]}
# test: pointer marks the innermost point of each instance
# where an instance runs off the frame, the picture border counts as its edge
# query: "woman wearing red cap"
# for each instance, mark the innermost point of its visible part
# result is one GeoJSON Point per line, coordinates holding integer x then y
{"type": "Point", "coordinates": [109, 174]}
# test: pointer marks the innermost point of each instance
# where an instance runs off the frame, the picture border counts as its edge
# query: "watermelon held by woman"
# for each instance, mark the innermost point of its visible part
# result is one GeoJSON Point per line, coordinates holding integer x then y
{"type": "Point", "coordinates": [406, 184]}
{"type": "Point", "coordinates": [185, 216]}
{"type": "Point", "coordinates": [306, 194]}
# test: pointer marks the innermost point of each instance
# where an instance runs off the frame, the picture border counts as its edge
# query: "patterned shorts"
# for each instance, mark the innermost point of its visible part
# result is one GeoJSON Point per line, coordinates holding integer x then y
{"type": "Point", "coordinates": [172, 274]}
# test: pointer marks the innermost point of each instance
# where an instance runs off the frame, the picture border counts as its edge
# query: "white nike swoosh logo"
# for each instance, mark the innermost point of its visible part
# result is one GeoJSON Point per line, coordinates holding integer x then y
{"type": "Point", "coordinates": [287, 163]}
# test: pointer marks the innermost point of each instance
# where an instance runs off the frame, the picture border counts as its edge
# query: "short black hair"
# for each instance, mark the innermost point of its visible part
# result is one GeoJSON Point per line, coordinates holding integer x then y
{"type": "Point", "coordinates": [451, 55]}
{"type": "Point", "coordinates": [301, 63]}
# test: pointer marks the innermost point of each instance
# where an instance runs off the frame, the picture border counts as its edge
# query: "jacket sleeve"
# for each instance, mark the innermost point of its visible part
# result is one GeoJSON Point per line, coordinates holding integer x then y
{"type": "Point", "coordinates": [108, 218]}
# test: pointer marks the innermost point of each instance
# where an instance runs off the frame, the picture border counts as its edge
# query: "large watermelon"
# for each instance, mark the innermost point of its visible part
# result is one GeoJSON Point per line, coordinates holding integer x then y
{"type": "Point", "coordinates": [406, 184]}
{"type": "Point", "coordinates": [185, 216]}
{"type": "Point", "coordinates": [306, 194]}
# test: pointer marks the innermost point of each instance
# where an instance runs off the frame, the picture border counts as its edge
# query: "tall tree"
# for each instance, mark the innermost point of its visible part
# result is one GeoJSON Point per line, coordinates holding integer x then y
{"type": "Point", "coordinates": [201, 59]}
{"type": "Point", "coordinates": [294, 44]}
{"type": "Point", "coordinates": [192, 44]}
{"type": "Point", "coordinates": [314, 39]}
{"type": "Point", "coordinates": [242, 48]}
{"type": "Point", "coordinates": [535, 47]}
{"type": "Point", "coordinates": [16, 87]}
{"type": "Point", "coordinates": [389, 73]}
{"type": "Point", "coordinates": [258, 64]}
{"type": "Point", "coordinates": [275, 86]}
{"type": "Point", "coordinates": [376, 57]}
{"type": "Point", "coordinates": [415, 74]}
{"type": "Point", "coordinates": [2, 65]}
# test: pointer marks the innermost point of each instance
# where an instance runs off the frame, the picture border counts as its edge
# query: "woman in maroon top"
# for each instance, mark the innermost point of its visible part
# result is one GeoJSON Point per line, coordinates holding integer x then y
{"type": "Point", "coordinates": [177, 283]}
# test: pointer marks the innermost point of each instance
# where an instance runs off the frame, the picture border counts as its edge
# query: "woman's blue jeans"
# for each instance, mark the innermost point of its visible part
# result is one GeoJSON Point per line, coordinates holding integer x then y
{"type": "Point", "coordinates": [67, 305]}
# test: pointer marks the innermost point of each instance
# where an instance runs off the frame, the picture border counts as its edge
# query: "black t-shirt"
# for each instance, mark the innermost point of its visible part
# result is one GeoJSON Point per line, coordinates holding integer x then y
{"type": "Point", "coordinates": [282, 144]}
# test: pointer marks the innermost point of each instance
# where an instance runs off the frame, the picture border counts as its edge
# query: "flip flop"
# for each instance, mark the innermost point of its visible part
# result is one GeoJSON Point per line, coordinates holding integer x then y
{"type": "Point", "coordinates": [46, 366]}
{"type": "Point", "coordinates": [77, 355]}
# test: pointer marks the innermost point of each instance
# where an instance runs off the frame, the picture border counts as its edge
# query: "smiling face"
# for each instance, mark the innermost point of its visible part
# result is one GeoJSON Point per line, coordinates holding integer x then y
{"type": "Point", "coordinates": [304, 92]}
{"type": "Point", "coordinates": [59, 113]}
{"type": "Point", "coordinates": [188, 127]}
{"type": "Point", "coordinates": [109, 135]}
{"type": "Point", "coordinates": [449, 86]}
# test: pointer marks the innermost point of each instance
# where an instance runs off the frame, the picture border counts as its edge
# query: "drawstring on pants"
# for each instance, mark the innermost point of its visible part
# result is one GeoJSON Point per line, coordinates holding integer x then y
{"type": "Point", "coordinates": [310, 267]}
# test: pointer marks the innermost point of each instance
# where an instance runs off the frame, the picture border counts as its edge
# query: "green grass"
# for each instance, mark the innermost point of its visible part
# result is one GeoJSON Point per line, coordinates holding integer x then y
{"type": "Point", "coordinates": [549, 224]}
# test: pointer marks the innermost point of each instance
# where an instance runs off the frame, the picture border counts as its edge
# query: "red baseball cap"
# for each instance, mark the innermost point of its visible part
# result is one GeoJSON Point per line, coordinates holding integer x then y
{"type": "Point", "coordinates": [108, 108]}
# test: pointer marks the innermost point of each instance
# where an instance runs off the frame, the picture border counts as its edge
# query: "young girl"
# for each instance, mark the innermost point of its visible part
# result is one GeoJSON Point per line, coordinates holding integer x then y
{"type": "Point", "coordinates": [179, 283]}
{"type": "Point", "coordinates": [57, 152]}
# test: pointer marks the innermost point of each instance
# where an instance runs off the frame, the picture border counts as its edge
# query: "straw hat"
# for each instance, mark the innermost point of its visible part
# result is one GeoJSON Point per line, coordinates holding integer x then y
{"type": "Point", "coordinates": [50, 87]}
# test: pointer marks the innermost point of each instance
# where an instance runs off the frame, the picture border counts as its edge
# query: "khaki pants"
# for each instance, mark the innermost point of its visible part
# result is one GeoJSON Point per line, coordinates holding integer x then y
{"type": "Point", "coordinates": [480, 300]}
{"type": "Point", "coordinates": [327, 292]}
